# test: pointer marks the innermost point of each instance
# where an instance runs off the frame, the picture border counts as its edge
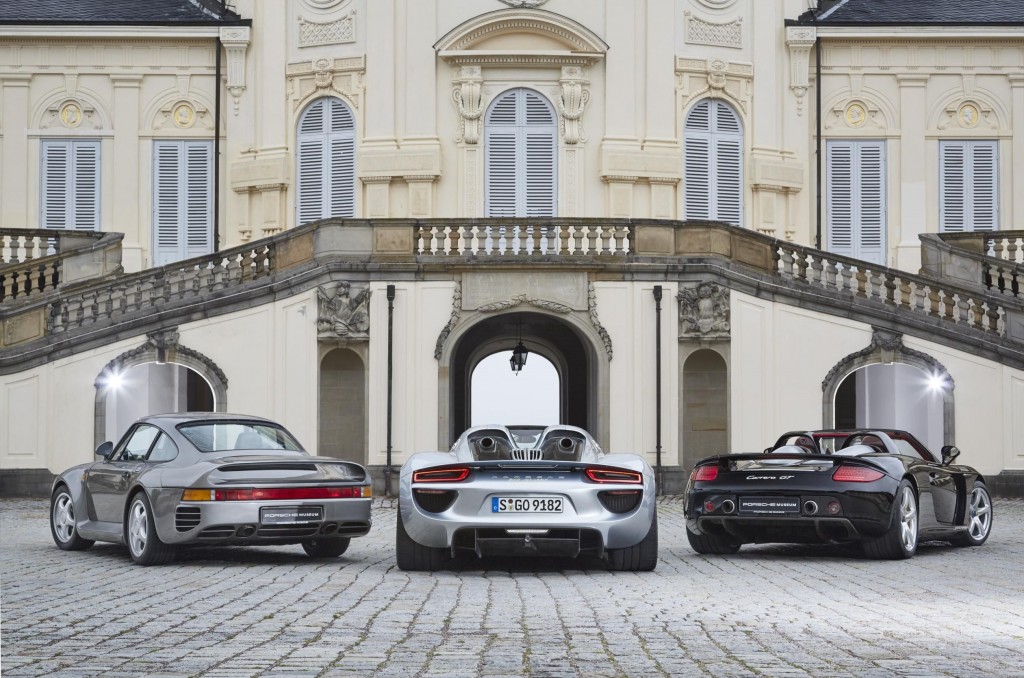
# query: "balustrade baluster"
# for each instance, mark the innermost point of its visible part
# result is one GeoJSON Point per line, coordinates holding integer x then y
{"type": "Point", "coordinates": [619, 239]}
{"type": "Point", "coordinates": [801, 267]}
{"type": "Point", "coordinates": [576, 239]}
{"type": "Point", "coordinates": [6, 286]}
{"type": "Point", "coordinates": [785, 262]}
{"type": "Point", "coordinates": [1001, 321]}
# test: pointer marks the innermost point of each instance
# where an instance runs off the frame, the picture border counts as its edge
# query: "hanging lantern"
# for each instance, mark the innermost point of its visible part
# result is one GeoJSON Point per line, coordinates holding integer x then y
{"type": "Point", "coordinates": [518, 358]}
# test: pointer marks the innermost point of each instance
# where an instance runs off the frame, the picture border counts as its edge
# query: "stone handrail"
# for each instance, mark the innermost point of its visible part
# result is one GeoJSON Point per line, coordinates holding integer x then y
{"type": "Point", "coordinates": [962, 315]}
{"type": "Point", "coordinates": [993, 261]}
{"type": "Point", "coordinates": [33, 262]}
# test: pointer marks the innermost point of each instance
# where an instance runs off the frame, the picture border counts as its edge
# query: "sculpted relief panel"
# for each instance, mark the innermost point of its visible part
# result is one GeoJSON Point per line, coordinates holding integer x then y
{"type": "Point", "coordinates": [343, 311]}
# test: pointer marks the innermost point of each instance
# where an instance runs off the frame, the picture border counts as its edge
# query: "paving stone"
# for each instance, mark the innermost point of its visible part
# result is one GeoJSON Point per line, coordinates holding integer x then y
{"type": "Point", "coordinates": [269, 611]}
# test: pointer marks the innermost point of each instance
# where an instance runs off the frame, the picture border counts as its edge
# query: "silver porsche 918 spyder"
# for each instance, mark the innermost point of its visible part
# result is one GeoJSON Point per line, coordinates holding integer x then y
{"type": "Point", "coordinates": [526, 490]}
{"type": "Point", "coordinates": [209, 479]}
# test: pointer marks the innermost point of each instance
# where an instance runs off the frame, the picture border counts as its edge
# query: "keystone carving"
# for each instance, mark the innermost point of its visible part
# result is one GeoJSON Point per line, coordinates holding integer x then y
{"type": "Point", "coordinates": [704, 312]}
{"type": "Point", "coordinates": [343, 312]}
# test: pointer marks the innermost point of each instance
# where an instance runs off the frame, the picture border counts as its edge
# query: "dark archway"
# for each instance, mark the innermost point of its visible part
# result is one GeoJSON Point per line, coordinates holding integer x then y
{"type": "Point", "coordinates": [342, 420]}
{"type": "Point", "coordinates": [705, 406]}
{"type": "Point", "coordinates": [573, 357]}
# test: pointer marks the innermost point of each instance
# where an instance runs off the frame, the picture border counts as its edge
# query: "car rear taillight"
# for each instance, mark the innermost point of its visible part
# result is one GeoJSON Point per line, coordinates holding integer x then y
{"type": "Point", "coordinates": [604, 474]}
{"type": "Point", "coordinates": [704, 474]}
{"type": "Point", "coordinates": [856, 474]}
{"type": "Point", "coordinates": [277, 493]}
{"type": "Point", "coordinates": [451, 474]}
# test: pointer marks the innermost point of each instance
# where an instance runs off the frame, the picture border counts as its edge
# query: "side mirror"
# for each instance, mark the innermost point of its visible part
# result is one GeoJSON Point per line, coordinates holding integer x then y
{"type": "Point", "coordinates": [105, 450]}
{"type": "Point", "coordinates": [949, 453]}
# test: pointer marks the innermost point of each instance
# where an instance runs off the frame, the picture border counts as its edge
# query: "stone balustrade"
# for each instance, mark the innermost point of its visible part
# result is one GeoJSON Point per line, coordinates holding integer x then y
{"type": "Point", "coordinates": [991, 260]}
{"type": "Point", "coordinates": [957, 310]}
{"type": "Point", "coordinates": [33, 262]}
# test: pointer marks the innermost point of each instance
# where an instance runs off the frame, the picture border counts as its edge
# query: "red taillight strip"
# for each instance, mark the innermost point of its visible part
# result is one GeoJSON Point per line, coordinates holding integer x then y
{"type": "Point", "coordinates": [704, 474]}
{"type": "Point", "coordinates": [856, 474]}
{"type": "Point", "coordinates": [276, 493]}
{"type": "Point", "coordinates": [604, 474]}
{"type": "Point", "coordinates": [454, 474]}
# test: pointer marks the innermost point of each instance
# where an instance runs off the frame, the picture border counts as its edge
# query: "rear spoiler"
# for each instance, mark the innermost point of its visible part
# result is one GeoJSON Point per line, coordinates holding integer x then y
{"type": "Point", "coordinates": [356, 471]}
{"type": "Point", "coordinates": [724, 460]}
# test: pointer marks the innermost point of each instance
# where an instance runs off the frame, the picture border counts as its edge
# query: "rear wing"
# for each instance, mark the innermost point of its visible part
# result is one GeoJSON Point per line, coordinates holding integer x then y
{"type": "Point", "coordinates": [728, 461]}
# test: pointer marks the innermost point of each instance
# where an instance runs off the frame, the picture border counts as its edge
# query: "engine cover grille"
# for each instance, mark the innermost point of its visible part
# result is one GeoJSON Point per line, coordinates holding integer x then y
{"type": "Point", "coordinates": [186, 518]}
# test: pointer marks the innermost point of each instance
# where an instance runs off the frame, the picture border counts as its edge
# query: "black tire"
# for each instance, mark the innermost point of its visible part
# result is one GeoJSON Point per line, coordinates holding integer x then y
{"type": "Point", "coordinates": [640, 557]}
{"type": "Point", "coordinates": [979, 517]}
{"type": "Point", "coordinates": [413, 556]}
{"type": "Point", "coordinates": [63, 524]}
{"type": "Point", "coordinates": [140, 535]}
{"type": "Point", "coordinates": [711, 543]}
{"type": "Point", "coordinates": [326, 548]}
{"type": "Point", "coordinates": [900, 540]}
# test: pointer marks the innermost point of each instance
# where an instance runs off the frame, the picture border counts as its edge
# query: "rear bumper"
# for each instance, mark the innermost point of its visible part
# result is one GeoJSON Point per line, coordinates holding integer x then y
{"type": "Point", "coordinates": [238, 522]}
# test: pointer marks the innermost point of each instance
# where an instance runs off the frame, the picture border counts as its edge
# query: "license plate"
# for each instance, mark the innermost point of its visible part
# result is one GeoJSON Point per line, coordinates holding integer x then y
{"type": "Point", "coordinates": [291, 515]}
{"type": "Point", "coordinates": [526, 504]}
{"type": "Point", "coordinates": [769, 505]}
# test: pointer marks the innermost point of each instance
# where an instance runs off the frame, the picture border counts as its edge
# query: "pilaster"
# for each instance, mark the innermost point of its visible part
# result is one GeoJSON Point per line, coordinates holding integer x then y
{"type": "Point", "coordinates": [1016, 190]}
{"type": "Point", "coordinates": [911, 215]}
{"type": "Point", "coordinates": [14, 202]}
{"type": "Point", "coordinates": [127, 214]}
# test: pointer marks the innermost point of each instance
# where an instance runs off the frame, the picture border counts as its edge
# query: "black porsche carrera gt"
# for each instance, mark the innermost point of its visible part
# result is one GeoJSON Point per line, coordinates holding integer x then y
{"type": "Point", "coordinates": [881, 488]}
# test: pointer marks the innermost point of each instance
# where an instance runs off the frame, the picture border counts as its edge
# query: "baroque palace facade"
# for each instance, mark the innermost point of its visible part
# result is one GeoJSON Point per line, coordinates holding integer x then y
{"type": "Point", "coordinates": [718, 219]}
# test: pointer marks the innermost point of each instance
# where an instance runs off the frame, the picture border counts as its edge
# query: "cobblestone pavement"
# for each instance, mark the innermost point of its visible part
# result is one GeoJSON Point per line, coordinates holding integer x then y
{"type": "Point", "coordinates": [769, 610]}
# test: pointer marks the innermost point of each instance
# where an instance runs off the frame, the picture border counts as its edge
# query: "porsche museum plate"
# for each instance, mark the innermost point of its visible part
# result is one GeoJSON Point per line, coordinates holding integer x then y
{"type": "Point", "coordinates": [291, 515]}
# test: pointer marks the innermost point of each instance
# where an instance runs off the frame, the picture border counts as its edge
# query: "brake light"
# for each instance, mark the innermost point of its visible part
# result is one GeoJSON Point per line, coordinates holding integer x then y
{"type": "Point", "coordinates": [856, 474]}
{"type": "Point", "coordinates": [603, 474]}
{"type": "Point", "coordinates": [454, 474]}
{"type": "Point", "coordinates": [705, 474]}
{"type": "Point", "coordinates": [276, 493]}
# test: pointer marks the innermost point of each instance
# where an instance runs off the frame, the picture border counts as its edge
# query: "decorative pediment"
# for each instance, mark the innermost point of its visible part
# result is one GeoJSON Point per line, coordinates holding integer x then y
{"type": "Point", "coordinates": [501, 33]}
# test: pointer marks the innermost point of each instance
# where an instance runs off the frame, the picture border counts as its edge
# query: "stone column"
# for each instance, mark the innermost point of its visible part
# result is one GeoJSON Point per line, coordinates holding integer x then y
{"type": "Point", "coordinates": [909, 215]}
{"type": "Point", "coordinates": [128, 216]}
{"type": "Point", "coordinates": [14, 198]}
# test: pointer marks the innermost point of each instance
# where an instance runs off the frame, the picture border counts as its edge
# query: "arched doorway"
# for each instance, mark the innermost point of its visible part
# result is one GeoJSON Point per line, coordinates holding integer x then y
{"type": "Point", "coordinates": [561, 343]}
{"type": "Point", "coordinates": [151, 388]}
{"type": "Point", "coordinates": [705, 388]}
{"type": "Point", "coordinates": [898, 396]}
{"type": "Point", "coordinates": [500, 396]}
{"type": "Point", "coordinates": [342, 428]}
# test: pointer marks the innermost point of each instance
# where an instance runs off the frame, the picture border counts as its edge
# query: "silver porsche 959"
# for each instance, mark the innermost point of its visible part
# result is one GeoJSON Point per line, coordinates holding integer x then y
{"type": "Point", "coordinates": [526, 490]}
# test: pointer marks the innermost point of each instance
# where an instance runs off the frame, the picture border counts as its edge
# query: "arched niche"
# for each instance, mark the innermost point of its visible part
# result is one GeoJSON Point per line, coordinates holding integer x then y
{"type": "Point", "coordinates": [887, 348]}
{"type": "Point", "coordinates": [705, 403]}
{"type": "Point", "coordinates": [160, 347]}
{"type": "Point", "coordinates": [342, 427]}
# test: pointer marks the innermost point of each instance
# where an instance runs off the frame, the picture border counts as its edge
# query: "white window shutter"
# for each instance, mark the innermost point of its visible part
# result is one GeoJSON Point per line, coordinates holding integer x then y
{"type": "Point", "coordinates": [521, 137]}
{"type": "Point", "coordinates": [984, 187]}
{"type": "Point", "coordinates": [182, 200]}
{"type": "Point", "coordinates": [713, 144]}
{"type": "Point", "coordinates": [855, 211]}
{"type": "Point", "coordinates": [198, 198]}
{"type": "Point", "coordinates": [326, 163]}
{"type": "Point", "coordinates": [952, 186]}
{"type": "Point", "coordinates": [70, 187]}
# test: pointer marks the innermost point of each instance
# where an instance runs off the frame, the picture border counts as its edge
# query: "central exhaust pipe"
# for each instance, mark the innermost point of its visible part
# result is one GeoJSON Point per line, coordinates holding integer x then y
{"type": "Point", "coordinates": [810, 507]}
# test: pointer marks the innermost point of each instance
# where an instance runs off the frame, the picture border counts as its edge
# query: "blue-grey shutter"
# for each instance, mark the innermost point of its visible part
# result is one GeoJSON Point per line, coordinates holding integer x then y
{"type": "Point", "coordinates": [968, 186]}
{"type": "Point", "coordinates": [520, 168]}
{"type": "Point", "coordinates": [182, 200]}
{"type": "Point", "coordinates": [713, 144]}
{"type": "Point", "coordinates": [70, 186]}
{"type": "Point", "coordinates": [855, 211]}
{"type": "Point", "coordinates": [326, 163]}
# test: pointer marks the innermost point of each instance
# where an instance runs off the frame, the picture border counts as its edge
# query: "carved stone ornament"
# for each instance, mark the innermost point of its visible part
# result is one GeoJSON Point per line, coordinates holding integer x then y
{"type": "Point", "coordinates": [704, 312]}
{"type": "Point", "coordinates": [524, 3]}
{"type": "Point", "coordinates": [336, 32]}
{"type": "Point", "coordinates": [601, 331]}
{"type": "Point", "coordinates": [722, 34]}
{"type": "Point", "coordinates": [519, 299]}
{"type": "Point", "coordinates": [71, 114]}
{"type": "Point", "coordinates": [343, 312]}
{"type": "Point", "coordinates": [886, 347]}
{"type": "Point", "coordinates": [968, 115]}
{"type": "Point", "coordinates": [163, 345]}
{"type": "Point", "coordinates": [572, 100]}
{"type": "Point", "coordinates": [468, 101]}
{"type": "Point", "coordinates": [856, 114]}
{"type": "Point", "coordinates": [236, 41]}
{"type": "Point", "coordinates": [453, 320]}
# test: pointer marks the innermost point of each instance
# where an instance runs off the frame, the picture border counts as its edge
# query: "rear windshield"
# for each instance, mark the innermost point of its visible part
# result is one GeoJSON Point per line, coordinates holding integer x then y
{"type": "Point", "coordinates": [238, 435]}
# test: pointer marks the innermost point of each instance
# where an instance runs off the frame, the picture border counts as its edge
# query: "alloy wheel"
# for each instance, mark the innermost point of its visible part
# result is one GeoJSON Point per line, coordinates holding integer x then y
{"type": "Point", "coordinates": [138, 527]}
{"type": "Point", "coordinates": [981, 514]}
{"type": "Point", "coordinates": [908, 519]}
{"type": "Point", "coordinates": [64, 518]}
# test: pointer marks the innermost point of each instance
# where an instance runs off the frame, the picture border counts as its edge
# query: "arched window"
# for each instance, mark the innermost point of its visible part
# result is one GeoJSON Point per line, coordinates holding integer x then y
{"type": "Point", "coordinates": [326, 163]}
{"type": "Point", "coordinates": [714, 163]}
{"type": "Point", "coordinates": [521, 138]}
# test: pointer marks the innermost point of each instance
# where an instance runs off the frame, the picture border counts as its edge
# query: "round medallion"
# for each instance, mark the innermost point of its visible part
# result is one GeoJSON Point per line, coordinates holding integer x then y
{"type": "Point", "coordinates": [856, 115]}
{"type": "Point", "coordinates": [969, 115]}
{"type": "Point", "coordinates": [184, 115]}
{"type": "Point", "coordinates": [71, 114]}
